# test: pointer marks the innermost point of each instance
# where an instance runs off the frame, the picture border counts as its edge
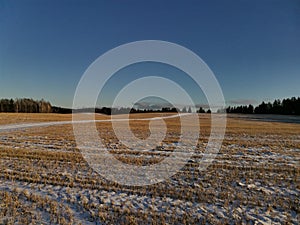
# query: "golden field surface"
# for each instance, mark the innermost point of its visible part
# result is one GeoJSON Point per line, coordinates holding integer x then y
{"type": "Point", "coordinates": [44, 178]}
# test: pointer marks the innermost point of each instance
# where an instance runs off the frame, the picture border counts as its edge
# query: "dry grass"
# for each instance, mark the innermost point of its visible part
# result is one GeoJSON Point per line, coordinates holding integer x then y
{"type": "Point", "coordinates": [254, 178]}
{"type": "Point", "coordinates": [14, 118]}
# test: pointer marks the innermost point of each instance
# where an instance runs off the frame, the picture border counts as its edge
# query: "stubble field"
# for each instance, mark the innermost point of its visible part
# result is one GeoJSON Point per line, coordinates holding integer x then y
{"type": "Point", "coordinates": [44, 179]}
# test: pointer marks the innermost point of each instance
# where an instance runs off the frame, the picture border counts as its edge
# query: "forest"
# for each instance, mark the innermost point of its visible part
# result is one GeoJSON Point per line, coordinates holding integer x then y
{"type": "Point", "coordinates": [25, 105]}
{"type": "Point", "coordinates": [288, 106]}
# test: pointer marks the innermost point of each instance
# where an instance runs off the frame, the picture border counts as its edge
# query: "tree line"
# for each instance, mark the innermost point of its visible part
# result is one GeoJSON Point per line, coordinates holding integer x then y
{"type": "Point", "coordinates": [125, 110]}
{"type": "Point", "coordinates": [288, 106]}
{"type": "Point", "coordinates": [25, 105]}
{"type": "Point", "coordinates": [201, 110]}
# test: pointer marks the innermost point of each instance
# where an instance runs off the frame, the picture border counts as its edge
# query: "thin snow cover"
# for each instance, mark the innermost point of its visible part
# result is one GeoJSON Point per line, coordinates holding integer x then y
{"type": "Point", "coordinates": [55, 123]}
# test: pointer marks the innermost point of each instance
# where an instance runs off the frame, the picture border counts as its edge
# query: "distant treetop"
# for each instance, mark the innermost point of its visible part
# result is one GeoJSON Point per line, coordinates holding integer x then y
{"type": "Point", "coordinates": [289, 106]}
{"type": "Point", "coordinates": [25, 105]}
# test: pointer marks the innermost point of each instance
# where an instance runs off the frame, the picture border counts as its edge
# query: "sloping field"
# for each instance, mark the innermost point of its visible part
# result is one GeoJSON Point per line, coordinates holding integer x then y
{"type": "Point", "coordinates": [255, 178]}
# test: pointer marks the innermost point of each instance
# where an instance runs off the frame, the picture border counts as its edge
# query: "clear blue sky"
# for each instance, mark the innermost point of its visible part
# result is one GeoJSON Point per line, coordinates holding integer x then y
{"type": "Point", "coordinates": [253, 47]}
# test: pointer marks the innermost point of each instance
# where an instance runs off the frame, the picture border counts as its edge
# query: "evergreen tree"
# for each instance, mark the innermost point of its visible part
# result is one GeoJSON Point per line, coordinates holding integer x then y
{"type": "Point", "coordinates": [201, 110]}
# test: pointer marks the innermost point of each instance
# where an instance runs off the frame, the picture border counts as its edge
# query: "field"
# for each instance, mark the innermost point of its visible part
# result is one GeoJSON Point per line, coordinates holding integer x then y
{"type": "Point", "coordinates": [44, 179]}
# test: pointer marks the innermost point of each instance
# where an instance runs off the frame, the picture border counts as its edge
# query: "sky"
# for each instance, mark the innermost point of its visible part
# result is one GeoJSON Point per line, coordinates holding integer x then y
{"type": "Point", "coordinates": [252, 47]}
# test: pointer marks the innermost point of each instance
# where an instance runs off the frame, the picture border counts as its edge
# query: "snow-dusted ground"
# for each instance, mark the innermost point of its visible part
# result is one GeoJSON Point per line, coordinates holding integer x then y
{"type": "Point", "coordinates": [252, 183]}
{"type": "Point", "coordinates": [10, 127]}
{"type": "Point", "coordinates": [267, 117]}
